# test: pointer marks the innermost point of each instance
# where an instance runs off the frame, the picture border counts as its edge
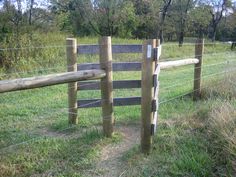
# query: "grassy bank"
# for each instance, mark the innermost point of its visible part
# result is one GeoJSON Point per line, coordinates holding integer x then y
{"type": "Point", "coordinates": [35, 139]}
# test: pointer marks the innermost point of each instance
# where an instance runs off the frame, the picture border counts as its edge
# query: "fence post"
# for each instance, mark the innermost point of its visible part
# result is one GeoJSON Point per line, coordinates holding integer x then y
{"type": "Point", "coordinates": [105, 55]}
{"type": "Point", "coordinates": [148, 67]}
{"type": "Point", "coordinates": [199, 48]}
{"type": "Point", "coordinates": [156, 84]}
{"type": "Point", "coordinates": [71, 52]}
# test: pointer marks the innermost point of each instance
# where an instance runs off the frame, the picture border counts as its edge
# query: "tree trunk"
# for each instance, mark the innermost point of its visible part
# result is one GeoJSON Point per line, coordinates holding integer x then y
{"type": "Point", "coordinates": [31, 11]}
{"type": "Point", "coordinates": [181, 38]}
{"type": "Point", "coordinates": [213, 38]}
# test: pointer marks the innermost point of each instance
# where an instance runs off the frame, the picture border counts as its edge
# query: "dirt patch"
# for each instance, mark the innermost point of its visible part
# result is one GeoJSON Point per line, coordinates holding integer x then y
{"type": "Point", "coordinates": [110, 163]}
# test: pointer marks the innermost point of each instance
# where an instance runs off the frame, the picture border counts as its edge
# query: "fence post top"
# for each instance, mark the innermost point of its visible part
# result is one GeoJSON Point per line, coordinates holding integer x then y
{"type": "Point", "coordinates": [105, 37]}
{"type": "Point", "coordinates": [71, 39]}
{"type": "Point", "coordinates": [200, 40]}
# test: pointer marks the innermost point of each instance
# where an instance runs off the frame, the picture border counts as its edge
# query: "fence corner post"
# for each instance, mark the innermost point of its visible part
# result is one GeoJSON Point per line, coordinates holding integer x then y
{"type": "Point", "coordinates": [148, 68]}
{"type": "Point", "coordinates": [105, 55]}
{"type": "Point", "coordinates": [199, 48]}
{"type": "Point", "coordinates": [71, 52]}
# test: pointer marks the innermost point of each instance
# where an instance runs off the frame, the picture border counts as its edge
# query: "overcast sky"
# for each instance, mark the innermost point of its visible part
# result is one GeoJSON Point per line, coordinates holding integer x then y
{"type": "Point", "coordinates": [38, 3]}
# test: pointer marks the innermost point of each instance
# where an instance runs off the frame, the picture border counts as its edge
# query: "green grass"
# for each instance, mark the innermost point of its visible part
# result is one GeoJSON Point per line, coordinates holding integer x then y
{"type": "Point", "coordinates": [39, 118]}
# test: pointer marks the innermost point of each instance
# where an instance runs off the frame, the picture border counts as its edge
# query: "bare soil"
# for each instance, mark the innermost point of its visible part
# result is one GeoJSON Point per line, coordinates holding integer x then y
{"type": "Point", "coordinates": [110, 163]}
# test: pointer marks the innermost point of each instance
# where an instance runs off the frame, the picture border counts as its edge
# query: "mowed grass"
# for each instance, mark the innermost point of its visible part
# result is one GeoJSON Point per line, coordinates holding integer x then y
{"type": "Point", "coordinates": [35, 139]}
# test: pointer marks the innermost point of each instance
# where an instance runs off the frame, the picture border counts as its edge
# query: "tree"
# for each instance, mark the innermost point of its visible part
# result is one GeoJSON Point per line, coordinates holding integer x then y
{"type": "Point", "coordinates": [100, 17]}
{"type": "Point", "coordinates": [199, 19]}
{"type": "Point", "coordinates": [163, 14]}
{"type": "Point", "coordinates": [180, 12]}
{"type": "Point", "coordinates": [218, 9]}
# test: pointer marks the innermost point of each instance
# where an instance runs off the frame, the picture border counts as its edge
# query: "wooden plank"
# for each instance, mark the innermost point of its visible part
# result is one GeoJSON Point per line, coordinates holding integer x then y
{"type": "Point", "coordinates": [154, 124]}
{"type": "Point", "coordinates": [88, 49]}
{"type": "Point", "coordinates": [121, 84]}
{"type": "Point", "coordinates": [156, 86]}
{"type": "Point", "coordinates": [155, 105]}
{"type": "Point", "coordinates": [156, 75]}
{"type": "Point", "coordinates": [148, 67]}
{"type": "Point", "coordinates": [125, 48]}
{"type": "Point", "coordinates": [199, 48]}
{"type": "Point", "coordinates": [136, 66]}
{"type": "Point", "coordinates": [91, 103]}
{"type": "Point", "coordinates": [156, 90]}
{"type": "Point", "coordinates": [105, 58]}
{"type": "Point", "coordinates": [48, 80]}
{"type": "Point", "coordinates": [172, 64]}
{"type": "Point", "coordinates": [71, 53]}
{"type": "Point", "coordinates": [157, 53]}
{"type": "Point", "coordinates": [127, 101]}
{"type": "Point", "coordinates": [122, 66]}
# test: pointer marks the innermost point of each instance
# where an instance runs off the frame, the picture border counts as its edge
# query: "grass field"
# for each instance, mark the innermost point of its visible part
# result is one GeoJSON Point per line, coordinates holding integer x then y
{"type": "Point", "coordinates": [35, 139]}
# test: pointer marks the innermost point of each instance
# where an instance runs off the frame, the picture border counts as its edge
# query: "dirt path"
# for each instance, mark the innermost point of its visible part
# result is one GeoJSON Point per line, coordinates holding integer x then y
{"type": "Point", "coordinates": [111, 164]}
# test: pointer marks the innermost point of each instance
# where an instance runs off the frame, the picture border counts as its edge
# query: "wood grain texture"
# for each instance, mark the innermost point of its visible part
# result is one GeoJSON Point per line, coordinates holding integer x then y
{"type": "Point", "coordinates": [121, 66]}
{"type": "Point", "coordinates": [105, 58]}
{"type": "Point", "coordinates": [148, 67]}
{"type": "Point", "coordinates": [48, 80]}
{"type": "Point", "coordinates": [177, 63]}
{"type": "Point", "coordinates": [91, 103]}
{"type": "Point", "coordinates": [136, 66]}
{"type": "Point", "coordinates": [199, 49]}
{"type": "Point", "coordinates": [126, 48]}
{"type": "Point", "coordinates": [71, 52]}
{"type": "Point", "coordinates": [120, 84]}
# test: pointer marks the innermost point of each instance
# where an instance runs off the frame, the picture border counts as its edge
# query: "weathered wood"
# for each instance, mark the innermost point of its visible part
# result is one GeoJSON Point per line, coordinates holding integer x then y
{"type": "Point", "coordinates": [120, 84]}
{"type": "Point", "coordinates": [199, 48]}
{"type": "Point", "coordinates": [154, 125]}
{"type": "Point", "coordinates": [148, 67]}
{"type": "Point", "coordinates": [156, 75]}
{"type": "Point", "coordinates": [48, 80]}
{"type": "Point", "coordinates": [122, 66]}
{"type": "Point", "coordinates": [94, 49]}
{"type": "Point", "coordinates": [155, 105]}
{"type": "Point", "coordinates": [136, 66]}
{"type": "Point", "coordinates": [71, 52]}
{"type": "Point", "coordinates": [157, 53]}
{"type": "Point", "coordinates": [91, 103]}
{"type": "Point", "coordinates": [177, 63]}
{"type": "Point", "coordinates": [105, 58]}
{"type": "Point", "coordinates": [156, 87]}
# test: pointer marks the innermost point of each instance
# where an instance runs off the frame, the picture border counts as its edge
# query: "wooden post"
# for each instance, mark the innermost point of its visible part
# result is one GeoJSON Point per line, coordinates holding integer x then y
{"type": "Point", "coordinates": [71, 51]}
{"type": "Point", "coordinates": [148, 67]}
{"type": "Point", "coordinates": [156, 85]}
{"type": "Point", "coordinates": [105, 55]}
{"type": "Point", "coordinates": [199, 48]}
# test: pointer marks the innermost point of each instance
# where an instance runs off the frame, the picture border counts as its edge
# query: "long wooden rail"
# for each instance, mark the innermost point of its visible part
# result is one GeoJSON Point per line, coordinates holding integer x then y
{"type": "Point", "coordinates": [137, 66]}
{"type": "Point", "coordinates": [122, 84]}
{"type": "Point", "coordinates": [48, 80]}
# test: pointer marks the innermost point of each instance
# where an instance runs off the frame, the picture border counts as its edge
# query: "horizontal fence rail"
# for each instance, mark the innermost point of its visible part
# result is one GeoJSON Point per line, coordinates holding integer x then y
{"type": "Point", "coordinates": [172, 64]}
{"type": "Point", "coordinates": [94, 49]}
{"type": "Point", "coordinates": [119, 84]}
{"type": "Point", "coordinates": [121, 66]}
{"type": "Point", "coordinates": [137, 66]}
{"type": "Point", "coordinates": [48, 80]}
{"type": "Point", "coordinates": [91, 103]}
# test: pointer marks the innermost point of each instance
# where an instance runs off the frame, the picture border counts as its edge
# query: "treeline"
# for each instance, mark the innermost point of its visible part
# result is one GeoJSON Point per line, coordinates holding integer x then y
{"type": "Point", "coordinates": [165, 19]}
{"type": "Point", "coordinates": [168, 20]}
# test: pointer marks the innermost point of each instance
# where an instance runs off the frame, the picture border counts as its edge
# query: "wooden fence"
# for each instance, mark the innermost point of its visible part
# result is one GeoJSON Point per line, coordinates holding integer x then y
{"type": "Point", "coordinates": [150, 67]}
{"type": "Point", "coordinates": [101, 76]}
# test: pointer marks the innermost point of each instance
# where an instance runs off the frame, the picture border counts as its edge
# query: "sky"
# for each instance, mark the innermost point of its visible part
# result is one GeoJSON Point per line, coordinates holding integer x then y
{"type": "Point", "coordinates": [43, 3]}
{"type": "Point", "coordinates": [38, 3]}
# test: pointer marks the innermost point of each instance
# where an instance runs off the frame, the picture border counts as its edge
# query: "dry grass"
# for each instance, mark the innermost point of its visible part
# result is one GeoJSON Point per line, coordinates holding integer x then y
{"type": "Point", "coordinates": [221, 129]}
{"type": "Point", "coordinates": [224, 88]}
